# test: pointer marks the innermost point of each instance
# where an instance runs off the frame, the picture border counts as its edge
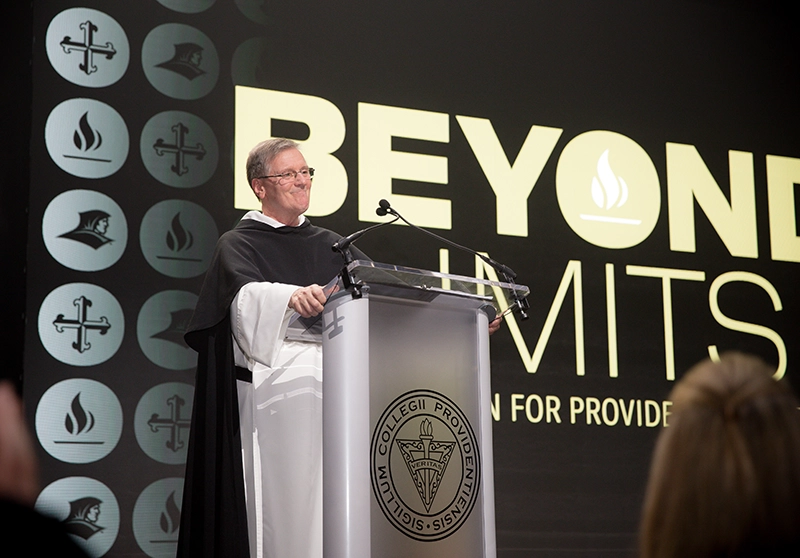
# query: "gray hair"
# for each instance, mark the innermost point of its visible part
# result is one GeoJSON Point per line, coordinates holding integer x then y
{"type": "Point", "coordinates": [262, 155]}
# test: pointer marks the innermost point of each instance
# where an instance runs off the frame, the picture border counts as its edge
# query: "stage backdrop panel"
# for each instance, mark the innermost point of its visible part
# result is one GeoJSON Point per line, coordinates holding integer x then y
{"type": "Point", "coordinates": [635, 163]}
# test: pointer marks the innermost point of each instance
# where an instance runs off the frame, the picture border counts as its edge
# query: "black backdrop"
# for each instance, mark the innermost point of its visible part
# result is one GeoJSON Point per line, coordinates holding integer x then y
{"type": "Point", "coordinates": [718, 76]}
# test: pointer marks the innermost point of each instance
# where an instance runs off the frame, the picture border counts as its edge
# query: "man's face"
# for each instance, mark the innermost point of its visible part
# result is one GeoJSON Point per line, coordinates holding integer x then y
{"type": "Point", "coordinates": [285, 201]}
{"type": "Point", "coordinates": [101, 227]}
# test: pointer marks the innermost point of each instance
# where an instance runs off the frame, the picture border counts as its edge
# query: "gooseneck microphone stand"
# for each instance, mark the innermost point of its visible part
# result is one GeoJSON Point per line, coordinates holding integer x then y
{"type": "Point", "coordinates": [343, 247]}
{"type": "Point", "coordinates": [521, 305]}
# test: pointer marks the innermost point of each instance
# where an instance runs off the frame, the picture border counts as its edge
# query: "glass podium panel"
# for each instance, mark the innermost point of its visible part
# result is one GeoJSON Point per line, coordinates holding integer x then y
{"type": "Point", "coordinates": [426, 285]}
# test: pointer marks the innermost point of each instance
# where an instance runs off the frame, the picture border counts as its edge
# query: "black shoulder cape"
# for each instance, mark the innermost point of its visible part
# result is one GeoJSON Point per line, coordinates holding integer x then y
{"type": "Point", "coordinates": [213, 515]}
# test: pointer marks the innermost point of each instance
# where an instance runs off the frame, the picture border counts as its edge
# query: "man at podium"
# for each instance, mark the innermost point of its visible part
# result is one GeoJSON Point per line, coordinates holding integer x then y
{"type": "Point", "coordinates": [254, 466]}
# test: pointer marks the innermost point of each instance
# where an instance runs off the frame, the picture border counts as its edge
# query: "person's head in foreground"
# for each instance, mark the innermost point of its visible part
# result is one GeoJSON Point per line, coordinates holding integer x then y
{"type": "Point", "coordinates": [725, 475]}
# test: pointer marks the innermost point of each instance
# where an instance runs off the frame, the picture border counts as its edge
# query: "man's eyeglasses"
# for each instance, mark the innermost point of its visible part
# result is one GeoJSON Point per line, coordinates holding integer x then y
{"type": "Point", "coordinates": [287, 176]}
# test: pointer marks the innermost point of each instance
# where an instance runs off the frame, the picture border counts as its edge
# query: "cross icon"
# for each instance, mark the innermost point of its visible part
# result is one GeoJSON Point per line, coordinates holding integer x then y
{"type": "Point", "coordinates": [179, 149]}
{"type": "Point", "coordinates": [88, 47]}
{"type": "Point", "coordinates": [82, 324]}
{"type": "Point", "coordinates": [174, 423]}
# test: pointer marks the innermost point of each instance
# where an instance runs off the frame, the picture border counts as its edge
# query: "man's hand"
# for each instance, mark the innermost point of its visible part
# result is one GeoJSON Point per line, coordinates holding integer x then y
{"type": "Point", "coordinates": [308, 301]}
{"type": "Point", "coordinates": [494, 325]}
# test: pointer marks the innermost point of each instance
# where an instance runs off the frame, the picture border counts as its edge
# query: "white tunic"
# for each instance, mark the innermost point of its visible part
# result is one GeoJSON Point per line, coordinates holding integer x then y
{"type": "Point", "coordinates": [281, 424]}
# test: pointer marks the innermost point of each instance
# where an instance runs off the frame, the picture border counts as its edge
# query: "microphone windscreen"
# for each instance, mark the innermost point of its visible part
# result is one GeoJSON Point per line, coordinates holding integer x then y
{"type": "Point", "coordinates": [383, 208]}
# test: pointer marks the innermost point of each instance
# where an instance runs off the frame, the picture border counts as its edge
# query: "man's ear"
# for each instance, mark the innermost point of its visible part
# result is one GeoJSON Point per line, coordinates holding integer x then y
{"type": "Point", "coordinates": [256, 187]}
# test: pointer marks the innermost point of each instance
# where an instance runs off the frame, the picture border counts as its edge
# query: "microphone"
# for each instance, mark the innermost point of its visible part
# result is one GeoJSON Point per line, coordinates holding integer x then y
{"type": "Point", "coordinates": [343, 244]}
{"type": "Point", "coordinates": [521, 304]}
{"type": "Point", "coordinates": [385, 207]}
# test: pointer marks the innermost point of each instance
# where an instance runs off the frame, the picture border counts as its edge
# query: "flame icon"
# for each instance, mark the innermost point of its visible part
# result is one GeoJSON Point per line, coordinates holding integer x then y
{"type": "Point", "coordinates": [83, 421]}
{"type": "Point", "coordinates": [178, 238]}
{"type": "Point", "coordinates": [426, 428]}
{"type": "Point", "coordinates": [609, 192]}
{"type": "Point", "coordinates": [86, 138]}
{"type": "Point", "coordinates": [171, 516]}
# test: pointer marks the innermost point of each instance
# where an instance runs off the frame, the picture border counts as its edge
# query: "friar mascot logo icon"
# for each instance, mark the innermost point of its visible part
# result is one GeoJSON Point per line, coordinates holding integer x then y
{"type": "Point", "coordinates": [425, 465]}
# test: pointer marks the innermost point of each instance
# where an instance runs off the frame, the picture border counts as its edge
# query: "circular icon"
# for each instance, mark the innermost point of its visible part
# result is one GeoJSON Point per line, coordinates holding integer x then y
{"type": "Point", "coordinates": [180, 61]}
{"type": "Point", "coordinates": [79, 421]}
{"type": "Point", "coordinates": [248, 65]}
{"type": "Point", "coordinates": [187, 6]}
{"type": "Point", "coordinates": [86, 509]}
{"type": "Point", "coordinates": [254, 10]}
{"type": "Point", "coordinates": [87, 47]}
{"type": "Point", "coordinates": [84, 230]}
{"type": "Point", "coordinates": [157, 516]}
{"type": "Point", "coordinates": [162, 420]}
{"type": "Point", "coordinates": [179, 149]}
{"type": "Point", "coordinates": [608, 189]}
{"type": "Point", "coordinates": [162, 322]}
{"type": "Point", "coordinates": [425, 458]}
{"type": "Point", "coordinates": [86, 138]}
{"type": "Point", "coordinates": [178, 238]}
{"type": "Point", "coordinates": [81, 324]}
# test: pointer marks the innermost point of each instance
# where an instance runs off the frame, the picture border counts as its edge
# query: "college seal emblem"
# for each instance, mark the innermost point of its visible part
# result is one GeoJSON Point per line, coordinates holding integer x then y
{"type": "Point", "coordinates": [425, 465]}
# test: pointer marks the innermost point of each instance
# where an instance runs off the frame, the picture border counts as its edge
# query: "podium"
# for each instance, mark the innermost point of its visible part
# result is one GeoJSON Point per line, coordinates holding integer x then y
{"type": "Point", "coordinates": [407, 425]}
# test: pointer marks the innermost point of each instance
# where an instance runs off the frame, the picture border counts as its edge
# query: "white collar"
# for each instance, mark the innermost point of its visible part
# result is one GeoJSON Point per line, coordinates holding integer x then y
{"type": "Point", "coordinates": [258, 216]}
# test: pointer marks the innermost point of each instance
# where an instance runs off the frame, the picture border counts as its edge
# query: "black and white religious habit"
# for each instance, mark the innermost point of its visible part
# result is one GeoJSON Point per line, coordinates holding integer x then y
{"type": "Point", "coordinates": [254, 464]}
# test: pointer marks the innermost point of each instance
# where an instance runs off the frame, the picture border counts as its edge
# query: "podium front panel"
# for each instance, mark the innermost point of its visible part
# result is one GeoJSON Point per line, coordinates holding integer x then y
{"type": "Point", "coordinates": [425, 420]}
{"type": "Point", "coordinates": [407, 428]}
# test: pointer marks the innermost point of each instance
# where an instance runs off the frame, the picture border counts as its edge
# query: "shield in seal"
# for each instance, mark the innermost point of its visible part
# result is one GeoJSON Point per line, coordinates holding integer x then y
{"type": "Point", "coordinates": [425, 465]}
